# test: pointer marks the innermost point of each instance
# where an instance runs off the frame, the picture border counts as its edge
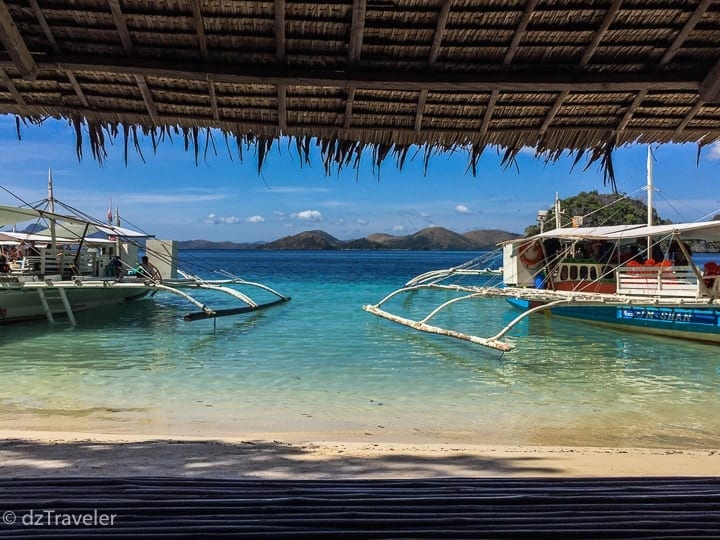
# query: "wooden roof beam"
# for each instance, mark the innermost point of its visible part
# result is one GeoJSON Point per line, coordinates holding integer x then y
{"type": "Point", "coordinates": [76, 87]}
{"type": "Point", "coordinates": [15, 45]}
{"type": "Point", "coordinates": [357, 29]}
{"type": "Point", "coordinates": [213, 101]}
{"type": "Point", "coordinates": [552, 112]}
{"type": "Point", "coordinates": [7, 81]}
{"type": "Point", "coordinates": [119, 20]}
{"type": "Point", "coordinates": [432, 58]}
{"type": "Point", "coordinates": [349, 106]}
{"type": "Point", "coordinates": [710, 86]}
{"type": "Point", "coordinates": [488, 113]}
{"type": "Point", "coordinates": [147, 98]}
{"type": "Point", "coordinates": [683, 34]}
{"type": "Point", "coordinates": [527, 80]}
{"type": "Point", "coordinates": [630, 111]}
{"type": "Point", "coordinates": [600, 32]}
{"type": "Point", "coordinates": [420, 109]}
{"type": "Point", "coordinates": [282, 106]}
{"type": "Point", "coordinates": [520, 31]}
{"type": "Point", "coordinates": [689, 116]}
{"type": "Point", "coordinates": [200, 28]}
{"type": "Point", "coordinates": [439, 31]}
{"type": "Point", "coordinates": [280, 31]}
{"type": "Point", "coordinates": [42, 21]}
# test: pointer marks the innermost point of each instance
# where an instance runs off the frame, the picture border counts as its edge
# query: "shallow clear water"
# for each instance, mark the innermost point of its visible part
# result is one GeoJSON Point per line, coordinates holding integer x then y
{"type": "Point", "coordinates": [321, 365]}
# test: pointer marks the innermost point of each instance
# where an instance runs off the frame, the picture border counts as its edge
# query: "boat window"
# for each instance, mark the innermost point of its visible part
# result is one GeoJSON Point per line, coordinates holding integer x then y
{"type": "Point", "coordinates": [593, 273]}
{"type": "Point", "coordinates": [608, 272]}
{"type": "Point", "coordinates": [583, 272]}
{"type": "Point", "coordinates": [573, 272]}
{"type": "Point", "coordinates": [564, 272]}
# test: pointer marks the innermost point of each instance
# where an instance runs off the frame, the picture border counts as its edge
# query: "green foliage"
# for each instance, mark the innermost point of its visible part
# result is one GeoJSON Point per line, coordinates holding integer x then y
{"type": "Point", "coordinates": [599, 209]}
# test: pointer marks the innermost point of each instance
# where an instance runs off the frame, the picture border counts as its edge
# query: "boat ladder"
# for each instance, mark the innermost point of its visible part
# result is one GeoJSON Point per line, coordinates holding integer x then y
{"type": "Point", "coordinates": [54, 299]}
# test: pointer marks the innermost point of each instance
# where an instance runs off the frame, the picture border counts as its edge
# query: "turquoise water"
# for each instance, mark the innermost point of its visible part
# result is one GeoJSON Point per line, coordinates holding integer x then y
{"type": "Point", "coordinates": [320, 367]}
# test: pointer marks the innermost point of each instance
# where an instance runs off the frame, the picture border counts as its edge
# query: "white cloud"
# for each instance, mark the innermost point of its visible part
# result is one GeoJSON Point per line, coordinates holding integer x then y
{"type": "Point", "coordinates": [714, 153]}
{"type": "Point", "coordinates": [462, 209]}
{"type": "Point", "coordinates": [219, 220]}
{"type": "Point", "coordinates": [308, 215]}
{"type": "Point", "coordinates": [398, 228]}
{"type": "Point", "coordinates": [255, 219]}
{"type": "Point", "coordinates": [361, 221]}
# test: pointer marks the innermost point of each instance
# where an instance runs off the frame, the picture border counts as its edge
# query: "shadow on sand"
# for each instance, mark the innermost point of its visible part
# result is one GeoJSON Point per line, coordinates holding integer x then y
{"type": "Point", "coordinates": [249, 459]}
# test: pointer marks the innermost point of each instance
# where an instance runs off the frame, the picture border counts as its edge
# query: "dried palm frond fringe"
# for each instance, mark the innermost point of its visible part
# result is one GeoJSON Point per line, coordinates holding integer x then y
{"type": "Point", "coordinates": [336, 152]}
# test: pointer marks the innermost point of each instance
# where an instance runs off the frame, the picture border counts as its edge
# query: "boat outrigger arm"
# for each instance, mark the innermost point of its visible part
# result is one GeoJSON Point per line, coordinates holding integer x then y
{"type": "Point", "coordinates": [549, 299]}
{"type": "Point", "coordinates": [174, 286]}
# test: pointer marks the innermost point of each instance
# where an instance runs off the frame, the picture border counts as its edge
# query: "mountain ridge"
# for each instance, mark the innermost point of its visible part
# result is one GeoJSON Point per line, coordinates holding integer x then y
{"type": "Point", "coordinates": [429, 238]}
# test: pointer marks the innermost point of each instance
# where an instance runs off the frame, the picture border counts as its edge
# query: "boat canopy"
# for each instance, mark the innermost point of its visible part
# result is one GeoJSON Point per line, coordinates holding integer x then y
{"type": "Point", "coordinates": [701, 230]}
{"type": "Point", "coordinates": [68, 226]}
{"type": "Point", "coordinates": [10, 215]}
{"type": "Point", "coordinates": [17, 237]}
{"type": "Point", "coordinates": [76, 229]}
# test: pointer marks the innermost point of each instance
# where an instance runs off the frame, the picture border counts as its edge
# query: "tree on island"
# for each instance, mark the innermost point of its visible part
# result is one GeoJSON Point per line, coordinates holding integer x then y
{"type": "Point", "coordinates": [599, 209]}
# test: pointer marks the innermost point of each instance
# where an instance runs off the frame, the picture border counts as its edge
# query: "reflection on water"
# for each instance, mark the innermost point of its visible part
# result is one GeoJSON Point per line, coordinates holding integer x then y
{"type": "Point", "coordinates": [321, 364]}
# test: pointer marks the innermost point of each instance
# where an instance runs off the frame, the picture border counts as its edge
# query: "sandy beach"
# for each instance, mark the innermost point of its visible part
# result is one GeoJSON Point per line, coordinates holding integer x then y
{"type": "Point", "coordinates": [284, 456]}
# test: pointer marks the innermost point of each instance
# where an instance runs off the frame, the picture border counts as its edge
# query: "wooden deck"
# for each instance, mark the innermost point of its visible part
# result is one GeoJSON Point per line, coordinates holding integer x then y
{"type": "Point", "coordinates": [437, 508]}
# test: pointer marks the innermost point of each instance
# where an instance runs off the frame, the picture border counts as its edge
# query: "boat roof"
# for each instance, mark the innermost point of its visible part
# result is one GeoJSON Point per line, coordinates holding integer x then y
{"type": "Point", "coordinates": [72, 226]}
{"type": "Point", "coordinates": [700, 230]}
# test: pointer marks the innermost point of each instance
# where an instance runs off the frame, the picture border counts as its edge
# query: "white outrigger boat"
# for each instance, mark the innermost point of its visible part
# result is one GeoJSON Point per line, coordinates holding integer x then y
{"type": "Point", "coordinates": [600, 275]}
{"type": "Point", "coordinates": [79, 263]}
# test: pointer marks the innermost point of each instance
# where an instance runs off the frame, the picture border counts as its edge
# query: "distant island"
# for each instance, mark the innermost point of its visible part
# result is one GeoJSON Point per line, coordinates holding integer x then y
{"type": "Point", "coordinates": [430, 238]}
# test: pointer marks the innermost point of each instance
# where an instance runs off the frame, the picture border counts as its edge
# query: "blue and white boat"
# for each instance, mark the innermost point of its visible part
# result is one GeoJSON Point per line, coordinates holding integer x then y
{"type": "Point", "coordinates": [638, 277]}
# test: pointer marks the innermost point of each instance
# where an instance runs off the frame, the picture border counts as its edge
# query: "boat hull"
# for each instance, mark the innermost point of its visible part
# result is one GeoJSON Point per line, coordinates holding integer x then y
{"type": "Point", "coordinates": [698, 324]}
{"type": "Point", "coordinates": [24, 304]}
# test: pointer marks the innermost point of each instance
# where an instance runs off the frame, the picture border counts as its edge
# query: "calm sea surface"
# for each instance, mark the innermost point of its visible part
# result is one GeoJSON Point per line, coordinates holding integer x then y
{"type": "Point", "coordinates": [319, 366]}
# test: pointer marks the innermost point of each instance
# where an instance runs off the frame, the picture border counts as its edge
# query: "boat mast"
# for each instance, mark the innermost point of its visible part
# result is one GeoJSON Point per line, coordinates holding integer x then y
{"type": "Point", "coordinates": [558, 224]}
{"type": "Point", "coordinates": [117, 238]}
{"type": "Point", "coordinates": [51, 208]}
{"type": "Point", "coordinates": [649, 198]}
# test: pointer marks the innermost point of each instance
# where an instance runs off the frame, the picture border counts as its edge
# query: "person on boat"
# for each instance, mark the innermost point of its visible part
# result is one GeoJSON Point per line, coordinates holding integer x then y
{"type": "Point", "coordinates": [117, 266]}
{"type": "Point", "coordinates": [18, 253]}
{"type": "Point", "coordinates": [148, 269]}
{"type": "Point", "coordinates": [676, 254]}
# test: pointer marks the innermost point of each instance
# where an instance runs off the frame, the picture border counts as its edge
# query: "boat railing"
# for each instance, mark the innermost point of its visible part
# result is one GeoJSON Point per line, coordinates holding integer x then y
{"type": "Point", "coordinates": [51, 262]}
{"type": "Point", "coordinates": [679, 281]}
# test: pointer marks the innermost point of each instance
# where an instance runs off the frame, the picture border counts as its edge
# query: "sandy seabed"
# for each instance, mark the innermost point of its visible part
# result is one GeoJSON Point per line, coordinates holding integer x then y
{"type": "Point", "coordinates": [290, 456]}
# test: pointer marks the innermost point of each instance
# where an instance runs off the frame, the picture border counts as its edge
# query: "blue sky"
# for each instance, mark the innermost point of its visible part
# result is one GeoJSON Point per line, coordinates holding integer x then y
{"type": "Point", "coordinates": [224, 199]}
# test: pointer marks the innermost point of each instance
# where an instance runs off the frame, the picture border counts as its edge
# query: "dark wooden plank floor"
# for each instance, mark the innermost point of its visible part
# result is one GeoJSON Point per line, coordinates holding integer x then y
{"type": "Point", "coordinates": [437, 508]}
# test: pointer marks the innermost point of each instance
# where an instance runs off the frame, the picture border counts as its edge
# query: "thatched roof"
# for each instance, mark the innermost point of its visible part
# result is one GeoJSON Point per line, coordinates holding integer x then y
{"type": "Point", "coordinates": [578, 75]}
